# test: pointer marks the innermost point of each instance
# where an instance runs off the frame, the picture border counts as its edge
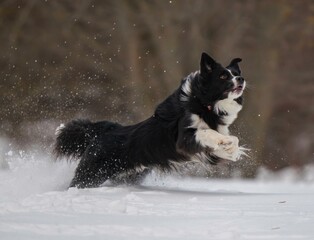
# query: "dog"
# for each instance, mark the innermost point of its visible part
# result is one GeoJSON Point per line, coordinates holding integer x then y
{"type": "Point", "coordinates": [190, 124]}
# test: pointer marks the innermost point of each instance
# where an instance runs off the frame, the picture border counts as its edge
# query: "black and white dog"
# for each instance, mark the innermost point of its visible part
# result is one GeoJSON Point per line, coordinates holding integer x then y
{"type": "Point", "coordinates": [192, 123]}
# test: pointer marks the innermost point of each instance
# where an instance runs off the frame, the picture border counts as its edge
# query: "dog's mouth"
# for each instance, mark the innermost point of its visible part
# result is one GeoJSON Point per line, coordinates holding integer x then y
{"type": "Point", "coordinates": [238, 89]}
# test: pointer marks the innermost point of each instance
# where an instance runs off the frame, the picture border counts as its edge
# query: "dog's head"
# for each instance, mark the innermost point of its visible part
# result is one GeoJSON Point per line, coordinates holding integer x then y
{"type": "Point", "coordinates": [216, 82]}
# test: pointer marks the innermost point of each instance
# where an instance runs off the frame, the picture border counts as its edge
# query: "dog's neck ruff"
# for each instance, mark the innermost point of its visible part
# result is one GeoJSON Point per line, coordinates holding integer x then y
{"type": "Point", "coordinates": [186, 87]}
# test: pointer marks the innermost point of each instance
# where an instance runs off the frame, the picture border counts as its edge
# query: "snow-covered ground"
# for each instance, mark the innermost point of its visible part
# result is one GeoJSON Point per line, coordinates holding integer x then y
{"type": "Point", "coordinates": [36, 204]}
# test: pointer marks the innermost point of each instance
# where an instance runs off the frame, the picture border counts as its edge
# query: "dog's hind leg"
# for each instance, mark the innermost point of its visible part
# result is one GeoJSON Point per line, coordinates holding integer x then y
{"type": "Point", "coordinates": [130, 177]}
{"type": "Point", "coordinates": [87, 175]}
{"type": "Point", "coordinates": [95, 168]}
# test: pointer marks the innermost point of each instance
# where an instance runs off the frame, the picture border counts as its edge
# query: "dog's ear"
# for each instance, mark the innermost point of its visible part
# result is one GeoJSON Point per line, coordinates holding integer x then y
{"type": "Point", "coordinates": [207, 64]}
{"type": "Point", "coordinates": [234, 65]}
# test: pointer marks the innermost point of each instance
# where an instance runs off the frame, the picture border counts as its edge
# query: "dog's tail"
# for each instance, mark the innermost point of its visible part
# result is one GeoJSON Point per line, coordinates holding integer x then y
{"type": "Point", "coordinates": [74, 137]}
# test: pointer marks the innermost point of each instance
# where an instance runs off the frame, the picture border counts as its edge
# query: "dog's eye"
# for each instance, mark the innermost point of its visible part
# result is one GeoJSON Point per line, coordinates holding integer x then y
{"type": "Point", "coordinates": [223, 76]}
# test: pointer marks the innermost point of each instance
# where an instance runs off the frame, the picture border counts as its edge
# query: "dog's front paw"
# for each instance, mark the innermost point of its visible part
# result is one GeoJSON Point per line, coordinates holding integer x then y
{"type": "Point", "coordinates": [228, 148]}
{"type": "Point", "coordinates": [228, 143]}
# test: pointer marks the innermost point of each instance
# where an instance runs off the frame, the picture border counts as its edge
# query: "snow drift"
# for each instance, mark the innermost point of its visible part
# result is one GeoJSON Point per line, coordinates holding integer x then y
{"type": "Point", "coordinates": [36, 204]}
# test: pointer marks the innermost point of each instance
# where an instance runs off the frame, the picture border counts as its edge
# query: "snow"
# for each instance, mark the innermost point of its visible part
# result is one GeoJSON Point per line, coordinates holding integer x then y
{"type": "Point", "coordinates": [36, 204]}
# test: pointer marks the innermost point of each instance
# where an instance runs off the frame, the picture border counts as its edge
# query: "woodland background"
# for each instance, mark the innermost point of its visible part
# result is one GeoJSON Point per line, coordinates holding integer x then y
{"type": "Point", "coordinates": [116, 60]}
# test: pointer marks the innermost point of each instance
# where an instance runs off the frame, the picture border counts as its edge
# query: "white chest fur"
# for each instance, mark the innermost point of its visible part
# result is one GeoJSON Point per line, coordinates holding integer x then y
{"type": "Point", "coordinates": [230, 108]}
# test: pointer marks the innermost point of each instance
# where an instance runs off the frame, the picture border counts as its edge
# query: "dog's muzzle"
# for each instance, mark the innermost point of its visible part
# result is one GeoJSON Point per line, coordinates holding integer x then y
{"type": "Point", "coordinates": [239, 85]}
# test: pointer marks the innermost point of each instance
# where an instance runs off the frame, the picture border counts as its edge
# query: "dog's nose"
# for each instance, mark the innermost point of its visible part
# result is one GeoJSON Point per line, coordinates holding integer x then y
{"type": "Point", "coordinates": [240, 80]}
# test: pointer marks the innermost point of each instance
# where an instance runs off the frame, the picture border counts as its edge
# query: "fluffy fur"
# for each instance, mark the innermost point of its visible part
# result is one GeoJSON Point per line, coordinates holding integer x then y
{"type": "Point", "coordinates": [192, 123]}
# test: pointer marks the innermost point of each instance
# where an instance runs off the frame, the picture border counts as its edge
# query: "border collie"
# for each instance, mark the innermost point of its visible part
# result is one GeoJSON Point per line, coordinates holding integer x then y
{"type": "Point", "coordinates": [192, 123]}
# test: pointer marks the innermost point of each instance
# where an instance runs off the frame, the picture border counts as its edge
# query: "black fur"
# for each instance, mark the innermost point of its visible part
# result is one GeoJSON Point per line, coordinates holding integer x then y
{"type": "Point", "coordinates": [109, 150]}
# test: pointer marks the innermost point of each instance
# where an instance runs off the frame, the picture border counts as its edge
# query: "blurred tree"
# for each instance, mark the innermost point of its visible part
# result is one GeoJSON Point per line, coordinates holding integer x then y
{"type": "Point", "coordinates": [117, 59]}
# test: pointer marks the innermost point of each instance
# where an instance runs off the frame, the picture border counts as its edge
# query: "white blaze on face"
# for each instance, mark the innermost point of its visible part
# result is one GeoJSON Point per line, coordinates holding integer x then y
{"type": "Point", "coordinates": [235, 94]}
